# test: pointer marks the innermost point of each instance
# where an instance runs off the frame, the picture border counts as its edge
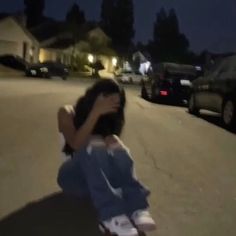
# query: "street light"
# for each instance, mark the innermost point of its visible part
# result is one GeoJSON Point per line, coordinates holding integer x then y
{"type": "Point", "coordinates": [114, 61]}
{"type": "Point", "coordinates": [90, 58]}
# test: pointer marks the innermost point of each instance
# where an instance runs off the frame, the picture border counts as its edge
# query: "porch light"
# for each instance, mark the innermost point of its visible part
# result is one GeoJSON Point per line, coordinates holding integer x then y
{"type": "Point", "coordinates": [114, 61]}
{"type": "Point", "coordinates": [90, 58]}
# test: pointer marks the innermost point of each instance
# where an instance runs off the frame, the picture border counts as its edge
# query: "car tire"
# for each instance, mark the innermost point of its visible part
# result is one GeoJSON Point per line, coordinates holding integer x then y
{"type": "Point", "coordinates": [131, 80]}
{"type": "Point", "coordinates": [192, 108]}
{"type": "Point", "coordinates": [44, 75]}
{"type": "Point", "coordinates": [153, 96]}
{"type": "Point", "coordinates": [64, 77]}
{"type": "Point", "coordinates": [229, 114]}
{"type": "Point", "coordinates": [48, 76]}
{"type": "Point", "coordinates": [144, 93]}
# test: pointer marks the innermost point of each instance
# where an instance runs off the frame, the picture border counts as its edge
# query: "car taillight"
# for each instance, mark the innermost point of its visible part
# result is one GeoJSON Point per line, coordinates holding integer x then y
{"type": "Point", "coordinates": [164, 93]}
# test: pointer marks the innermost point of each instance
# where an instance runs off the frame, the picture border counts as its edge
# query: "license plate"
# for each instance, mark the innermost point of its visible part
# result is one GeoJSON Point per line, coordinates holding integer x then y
{"type": "Point", "coordinates": [185, 82]}
{"type": "Point", "coordinates": [33, 72]}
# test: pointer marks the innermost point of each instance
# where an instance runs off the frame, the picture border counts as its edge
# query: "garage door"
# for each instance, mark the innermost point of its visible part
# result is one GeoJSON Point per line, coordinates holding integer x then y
{"type": "Point", "coordinates": [8, 47]}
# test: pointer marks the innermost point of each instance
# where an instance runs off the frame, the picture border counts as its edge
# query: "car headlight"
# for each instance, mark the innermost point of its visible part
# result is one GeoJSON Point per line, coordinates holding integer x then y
{"type": "Point", "coordinates": [44, 69]}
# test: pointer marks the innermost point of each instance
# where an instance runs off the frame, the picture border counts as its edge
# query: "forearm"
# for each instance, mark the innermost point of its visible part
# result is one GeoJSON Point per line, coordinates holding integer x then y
{"type": "Point", "coordinates": [82, 135]}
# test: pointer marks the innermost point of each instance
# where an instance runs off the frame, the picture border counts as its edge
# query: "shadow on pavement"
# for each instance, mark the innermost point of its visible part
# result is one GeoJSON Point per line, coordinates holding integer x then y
{"type": "Point", "coordinates": [165, 103]}
{"type": "Point", "coordinates": [54, 215]}
{"type": "Point", "coordinates": [214, 119]}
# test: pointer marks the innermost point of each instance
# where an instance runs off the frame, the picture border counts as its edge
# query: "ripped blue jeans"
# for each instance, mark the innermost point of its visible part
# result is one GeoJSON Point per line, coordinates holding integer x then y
{"type": "Point", "coordinates": [107, 178]}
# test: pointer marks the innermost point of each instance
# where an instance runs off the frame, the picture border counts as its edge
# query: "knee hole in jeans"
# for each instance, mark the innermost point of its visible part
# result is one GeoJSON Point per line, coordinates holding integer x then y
{"type": "Point", "coordinates": [95, 144]}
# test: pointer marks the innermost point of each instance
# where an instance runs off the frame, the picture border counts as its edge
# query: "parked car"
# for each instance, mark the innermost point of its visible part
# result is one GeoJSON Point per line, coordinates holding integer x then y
{"type": "Point", "coordinates": [170, 82]}
{"type": "Point", "coordinates": [131, 77]}
{"type": "Point", "coordinates": [216, 91]}
{"type": "Point", "coordinates": [47, 70]}
{"type": "Point", "coordinates": [14, 62]}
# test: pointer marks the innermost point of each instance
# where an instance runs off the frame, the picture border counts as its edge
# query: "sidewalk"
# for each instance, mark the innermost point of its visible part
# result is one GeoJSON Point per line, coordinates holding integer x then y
{"type": "Point", "coordinates": [8, 72]}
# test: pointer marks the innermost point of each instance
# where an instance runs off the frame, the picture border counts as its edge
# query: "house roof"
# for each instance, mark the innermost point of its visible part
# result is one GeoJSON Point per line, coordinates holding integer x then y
{"type": "Point", "coordinates": [61, 43]}
{"type": "Point", "coordinates": [98, 31]}
{"type": "Point", "coordinates": [48, 30]}
{"type": "Point", "coordinates": [51, 29]}
{"type": "Point", "coordinates": [142, 56]}
{"type": "Point", "coordinates": [26, 31]}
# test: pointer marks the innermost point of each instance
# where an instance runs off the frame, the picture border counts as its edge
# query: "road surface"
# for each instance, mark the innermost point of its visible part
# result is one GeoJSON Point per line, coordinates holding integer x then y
{"type": "Point", "coordinates": [187, 162]}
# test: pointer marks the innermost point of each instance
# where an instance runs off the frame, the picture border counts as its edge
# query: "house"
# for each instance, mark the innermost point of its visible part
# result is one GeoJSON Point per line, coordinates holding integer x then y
{"type": "Point", "coordinates": [141, 61]}
{"type": "Point", "coordinates": [17, 40]}
{"type": "Point", "coordinates": [57, 44]}
{"type": "Point", "coordinates": [53, 41]}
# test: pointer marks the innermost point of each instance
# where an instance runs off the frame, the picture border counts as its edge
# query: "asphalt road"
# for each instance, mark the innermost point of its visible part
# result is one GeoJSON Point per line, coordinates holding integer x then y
{"type": "Point", "coordinates": [187, 162]}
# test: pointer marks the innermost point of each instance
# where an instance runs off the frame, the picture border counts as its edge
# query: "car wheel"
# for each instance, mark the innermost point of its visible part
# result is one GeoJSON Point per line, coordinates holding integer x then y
{"type": "Point", "coordinates": [144, 93]}
{"type": "Point", "coordinates": [48, 76]}
{"type": "Point", "coordinates": [131, 80]}
{"type": "Point", "coordinates": [44, 75]}
{"type": "Point", "coordinates": [64, 77]}
{"type": "Point", "coordinates": [229, 114]}
{"type": "Point", "coordinates": [153, 96]}
{"type": "Point", "coordinates": [192, 108]}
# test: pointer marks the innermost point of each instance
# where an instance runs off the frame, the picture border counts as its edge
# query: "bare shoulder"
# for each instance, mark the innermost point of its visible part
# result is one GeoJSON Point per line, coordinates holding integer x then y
{"type": "Point", "coordinates": [66, 110]}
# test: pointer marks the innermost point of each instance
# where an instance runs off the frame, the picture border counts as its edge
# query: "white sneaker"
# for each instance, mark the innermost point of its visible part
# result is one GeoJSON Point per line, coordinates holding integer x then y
{"type": "Point", "coordinates": [121, 226]}
{"type": "Point", "coordinates": [143, 221]}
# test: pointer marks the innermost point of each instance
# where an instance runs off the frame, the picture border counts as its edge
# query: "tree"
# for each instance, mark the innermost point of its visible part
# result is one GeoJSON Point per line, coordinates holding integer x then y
{"type": "Point", "coordinates": [34, 11]}
{"type": "Point", "coordinates": [173, 22]}
{"type": "Point", "coordinates": [124, 24]}
{"type": "Point", "coordinates": [107, 11]}
{"type": "Point", "coordinates": [168, 44]}
{"type": "Point", "coordinates": [160, 26]}
{"type": "Point", "coordinates": [75, 16]}
{"type": "Point", "coordinates": [117, 20]}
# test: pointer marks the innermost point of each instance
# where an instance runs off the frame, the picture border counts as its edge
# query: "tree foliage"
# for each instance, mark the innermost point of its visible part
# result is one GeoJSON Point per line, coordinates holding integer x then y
{"type": "Point", "coordinates": [75, 19]}
{"type": "Point", "coordinates": [117, 20]}
{"type": "Point", "coordinates": [168, 44]}
{"type": "Point", "coordinates": [75, 16]}
{"type": "Point", "coordinates": [34, 11]}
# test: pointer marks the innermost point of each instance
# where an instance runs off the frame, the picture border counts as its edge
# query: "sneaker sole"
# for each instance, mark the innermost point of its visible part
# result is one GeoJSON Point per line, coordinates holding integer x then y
{"type": "Point", "coordinates": [107, 232]}
{"type": "Point", "coordinates": [146, 228]}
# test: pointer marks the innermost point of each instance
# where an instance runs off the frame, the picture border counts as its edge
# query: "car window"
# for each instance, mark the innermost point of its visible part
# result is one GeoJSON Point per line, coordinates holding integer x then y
{"type": "Point", "coordinates": [225, 68]}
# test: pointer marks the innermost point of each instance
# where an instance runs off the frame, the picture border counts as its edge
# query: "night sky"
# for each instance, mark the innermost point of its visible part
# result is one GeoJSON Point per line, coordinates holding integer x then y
{"type": "Point", "coordinates": [209, 24]}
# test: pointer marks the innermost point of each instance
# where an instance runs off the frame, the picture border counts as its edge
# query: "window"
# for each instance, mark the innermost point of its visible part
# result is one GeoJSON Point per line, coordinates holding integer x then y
{"type": "Point", "coordinates": [24, 50]}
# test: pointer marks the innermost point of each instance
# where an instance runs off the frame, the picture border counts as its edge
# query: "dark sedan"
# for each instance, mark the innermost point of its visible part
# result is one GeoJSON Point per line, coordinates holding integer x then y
{"type": "Point", "coordinates": [216, 91]}
{"type": "Point", "coordinates": [47, 70]}
{"type": "Point", "coordinates": [14, 62]}
{"type": "Point", "coordinates": [170, 82]}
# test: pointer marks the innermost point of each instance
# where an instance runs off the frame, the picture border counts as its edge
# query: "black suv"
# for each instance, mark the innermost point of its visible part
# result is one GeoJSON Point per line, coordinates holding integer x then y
{"type": "Point", "coordinates": [14, 62]}
{"type": "Point", "coordinates": [47, 70]}
{"type": "Point", "coordinates": [170, 82]}
{"type": "Point", "coordinates": [216, 91]}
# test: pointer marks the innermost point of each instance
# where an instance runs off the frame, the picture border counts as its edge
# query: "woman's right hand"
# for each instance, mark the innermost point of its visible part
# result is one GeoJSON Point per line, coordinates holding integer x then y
{"type": "Point", "coordinates": [106, 104]}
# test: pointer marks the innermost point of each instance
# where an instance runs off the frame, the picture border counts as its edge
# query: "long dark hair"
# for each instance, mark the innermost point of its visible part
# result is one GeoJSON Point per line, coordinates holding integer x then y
{"type": "Point", "coordinates": [107, 124]}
